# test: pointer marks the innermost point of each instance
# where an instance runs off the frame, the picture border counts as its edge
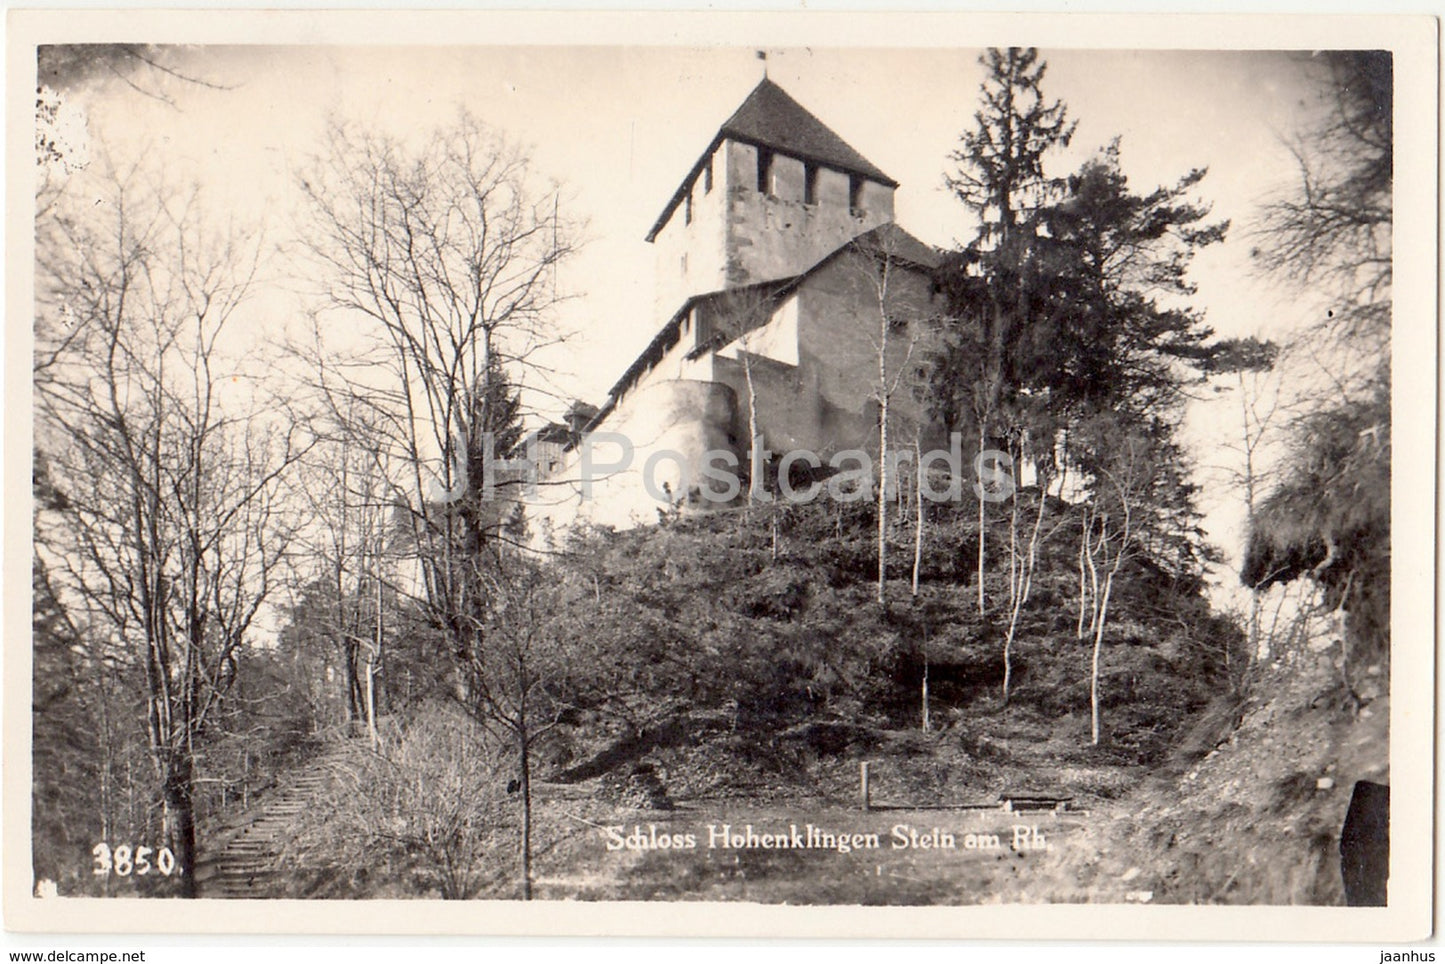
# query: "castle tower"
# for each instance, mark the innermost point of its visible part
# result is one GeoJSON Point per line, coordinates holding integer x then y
{"type": "Point", "coordinates": [775, 192]}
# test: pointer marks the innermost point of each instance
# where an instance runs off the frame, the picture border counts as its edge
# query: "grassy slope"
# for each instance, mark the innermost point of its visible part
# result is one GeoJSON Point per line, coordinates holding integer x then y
{"type": "Point", "coordinates": [768, 680]}
{"type": "Point", "coordinates": [1244, 821]}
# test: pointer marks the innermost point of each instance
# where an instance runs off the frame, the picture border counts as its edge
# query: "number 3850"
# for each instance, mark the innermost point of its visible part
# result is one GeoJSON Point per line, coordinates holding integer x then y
{"type": "Point", "coordinates": [124, 860]}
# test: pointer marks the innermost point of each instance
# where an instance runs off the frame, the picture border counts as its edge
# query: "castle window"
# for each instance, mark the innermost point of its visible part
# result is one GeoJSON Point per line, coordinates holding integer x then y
{"type": "Point", "coordinates": [707, 176]}
{"type": "Point", "coordinates": [687, 209]}
{"type": "Point", "coordinates": [855, 195]}
{"type": "Point", "coordinates": [810, 184]}
{"type": "Point", "coordinates": [765, 171]}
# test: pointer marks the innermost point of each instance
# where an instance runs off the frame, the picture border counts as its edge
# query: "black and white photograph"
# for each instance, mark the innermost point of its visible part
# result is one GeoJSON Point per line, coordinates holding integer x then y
{"type": "Point", "coordinates": [787, 471]}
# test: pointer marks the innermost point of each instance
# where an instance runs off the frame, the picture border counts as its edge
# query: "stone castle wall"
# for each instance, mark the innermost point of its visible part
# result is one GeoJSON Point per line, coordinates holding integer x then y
{"type": "Point", "coordinates": [827, 401]}
{"type": "Point", "coordinates": [734, 234]}
{"type": "Point", "coordinates": [689, 257]}
{"type": "Point", "coordinates": [685, 417]}
{"type": "Point", "coordinates": [777, 235]}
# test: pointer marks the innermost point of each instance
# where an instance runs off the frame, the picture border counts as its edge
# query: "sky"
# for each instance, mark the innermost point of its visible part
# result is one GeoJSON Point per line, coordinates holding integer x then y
{"type": "Point", "coordinates": [619, 127]}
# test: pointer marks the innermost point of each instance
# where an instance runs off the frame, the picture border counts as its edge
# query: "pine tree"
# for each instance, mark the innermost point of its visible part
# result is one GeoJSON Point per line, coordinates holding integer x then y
{"type": "Point", "coordinates": [1000, 177]}
{"type": "Point", "coordinates": [1068, 310]}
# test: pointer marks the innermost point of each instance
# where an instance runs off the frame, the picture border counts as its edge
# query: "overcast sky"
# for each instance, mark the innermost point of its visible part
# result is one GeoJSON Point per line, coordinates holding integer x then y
{"type": "Point", "coordinates": [620, 127]}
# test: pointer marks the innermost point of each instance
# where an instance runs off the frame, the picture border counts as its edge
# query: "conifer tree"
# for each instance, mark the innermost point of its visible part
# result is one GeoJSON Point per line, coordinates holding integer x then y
{"type": "Point", "coordinates": [999, 176]}
{"type": "Point", "coordinates": [1070, 308]}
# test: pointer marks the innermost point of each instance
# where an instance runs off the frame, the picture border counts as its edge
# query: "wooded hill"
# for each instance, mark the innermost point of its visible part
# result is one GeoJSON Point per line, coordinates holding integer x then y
{"type": "Point", "coordinates": [775, 645]}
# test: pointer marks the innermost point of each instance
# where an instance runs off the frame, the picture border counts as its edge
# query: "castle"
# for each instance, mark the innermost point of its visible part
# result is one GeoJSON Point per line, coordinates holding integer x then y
{"type": "Point", "coordinates": [779, 273]}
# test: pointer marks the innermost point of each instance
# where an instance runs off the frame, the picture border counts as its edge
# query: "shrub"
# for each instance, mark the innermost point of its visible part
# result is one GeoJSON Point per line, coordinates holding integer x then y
{"type": "Point", "coordinates": [430, 806]}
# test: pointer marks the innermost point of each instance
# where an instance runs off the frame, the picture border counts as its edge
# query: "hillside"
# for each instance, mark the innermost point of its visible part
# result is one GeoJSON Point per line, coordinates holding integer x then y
{"type": "Point", "coordinates": [723, 682]}
{"type": "Point", "coordinates": [1256, 818]}
{"type": "Point", "coordinates": [787, 646]}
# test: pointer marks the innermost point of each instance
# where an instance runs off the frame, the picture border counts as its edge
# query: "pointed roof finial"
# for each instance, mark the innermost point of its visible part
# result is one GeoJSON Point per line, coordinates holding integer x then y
{"type": "Point", "coordinates": [763, 56]}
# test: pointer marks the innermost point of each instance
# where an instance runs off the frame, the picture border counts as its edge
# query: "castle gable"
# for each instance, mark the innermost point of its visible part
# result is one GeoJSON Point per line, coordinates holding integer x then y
{"type": "Point", "coordinates": [710, 321]}
{"type": "Point", "coordinates": [770, 119]}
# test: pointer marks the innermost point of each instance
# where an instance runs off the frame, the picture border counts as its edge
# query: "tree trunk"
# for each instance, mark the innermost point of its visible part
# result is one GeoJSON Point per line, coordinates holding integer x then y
{"type": "Point", "coordinates": [371, 702]}
{"type": "Point", "coordinates": [926, 724]}
{"type": "Point", "coordinates": [918, 518]}
{"type": "Point", "coordinates": [371, 661]}
{"type": "Point", "coordinates": [1101, 614]}
{"type": "Point", "coordinates": [355, 700]}
{"type": "Point", "coordinates": [525, 779]}
{"type": "Point", "coordinates": [883, 394]}
{"type": "Point", "coordinates": [1025, 586]}
{"type": "Point", "coordinates": [1083, 574]}
{"type": "Point", "coordinates": [179, 795]}
{"type": "Point", "coordinates": [1094, 668]}
{"type": "Point", "coordinates": [882, 483]}
{"type": "Point", "coordinates": [982, 521]}
{"type": "Point", "coordinates": [1091, 561]}
{"type": "Point", "coordinates": [756, 464]}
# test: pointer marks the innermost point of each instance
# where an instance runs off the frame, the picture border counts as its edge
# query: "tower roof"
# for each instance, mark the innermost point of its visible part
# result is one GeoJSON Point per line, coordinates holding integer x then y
{"type": "Point", "coordinates": [771, 118]}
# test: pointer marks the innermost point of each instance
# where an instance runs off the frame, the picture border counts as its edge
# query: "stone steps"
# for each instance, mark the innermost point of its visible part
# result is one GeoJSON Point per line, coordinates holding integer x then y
{"type": "Point", "coordinates": [242, 861]}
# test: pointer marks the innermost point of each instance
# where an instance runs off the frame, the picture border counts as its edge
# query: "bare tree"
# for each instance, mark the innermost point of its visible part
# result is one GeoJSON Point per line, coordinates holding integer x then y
{"type": "Point", "coordinates": [350, 512]}
{"type": "Point", "coordinates": [742, 315]}
{"type": "Point", "coordinates": [881, 252]}
{"type": "Point", "coordinates": [1331, 235]}
{"type": "Point", "coordinates": [1328, 516]}
{"type": "Point", "coordinates": [1022, 563]}
{"type": "Point", "coordinates": [1111, 526]}
{"type": "Point", "coordinates": [919, 520]}
{"type": "Point", "coordinates": [444, 258]}
{"type": "Point", "coordinates": [169, 534]}
{"type": "Point", "coordinates": [516, 685]}
{"type": "Point", "coordinates": [1261, 403]}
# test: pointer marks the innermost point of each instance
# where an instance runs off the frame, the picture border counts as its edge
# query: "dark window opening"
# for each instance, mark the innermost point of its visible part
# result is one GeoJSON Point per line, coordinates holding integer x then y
{"type": "Point", "coordinates": [687, 209]}
{"type": "Point", "coordinates": [707, 176]}
{"type": "Point", "coordinates": [855, 195]}
{"type": "Point", "coordinates": [765, 171]}
{"type": "Point", "coordinates": [810, 184]}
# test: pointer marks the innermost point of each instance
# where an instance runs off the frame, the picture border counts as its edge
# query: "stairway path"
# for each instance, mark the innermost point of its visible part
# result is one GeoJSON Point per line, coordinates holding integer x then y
{"type": "Point", "coordinates": [242, 859]}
